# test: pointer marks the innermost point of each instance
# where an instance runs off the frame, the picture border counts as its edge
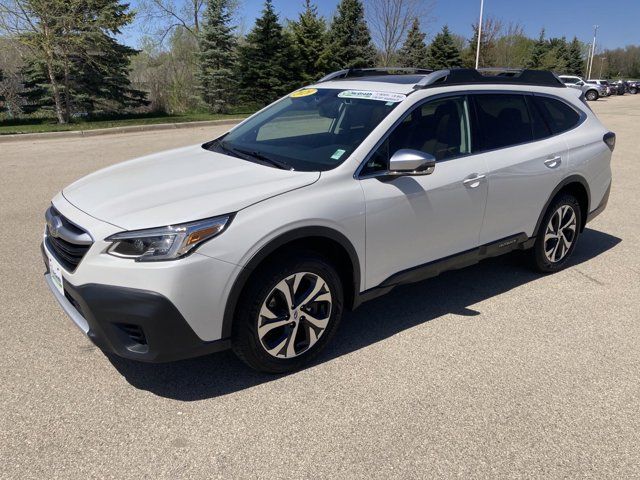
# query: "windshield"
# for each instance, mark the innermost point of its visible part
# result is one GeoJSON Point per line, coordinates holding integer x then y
{"type": "Point", "coordinates": [309, 130]}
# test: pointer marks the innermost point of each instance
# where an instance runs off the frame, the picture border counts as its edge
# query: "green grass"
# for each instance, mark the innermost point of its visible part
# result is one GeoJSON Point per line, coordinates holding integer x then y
{"type": "Point", "coordinates": [40, 125]}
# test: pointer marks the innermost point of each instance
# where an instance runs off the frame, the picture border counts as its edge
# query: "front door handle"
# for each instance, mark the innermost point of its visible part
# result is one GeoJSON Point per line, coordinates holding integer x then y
{"type": "Point", "coordinates": [474, 181]}
{"type": "Point", "coordinates": [553, 162]}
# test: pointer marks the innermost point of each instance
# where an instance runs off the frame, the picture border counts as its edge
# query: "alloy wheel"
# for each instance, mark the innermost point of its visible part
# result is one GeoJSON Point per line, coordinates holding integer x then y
{"type": "Point", "coordinates": [560, 233]}
{"type": "Point", "coordinates": [294, 315]}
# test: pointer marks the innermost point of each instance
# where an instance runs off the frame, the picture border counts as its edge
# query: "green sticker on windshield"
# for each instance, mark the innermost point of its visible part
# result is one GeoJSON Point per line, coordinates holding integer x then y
{"type": "Point", "coordinates": [337, 154]}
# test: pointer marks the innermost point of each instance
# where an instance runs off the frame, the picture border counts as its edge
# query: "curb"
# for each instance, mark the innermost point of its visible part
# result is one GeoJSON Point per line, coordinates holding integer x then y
{"type": "Point", "coordinates": [16, 137]}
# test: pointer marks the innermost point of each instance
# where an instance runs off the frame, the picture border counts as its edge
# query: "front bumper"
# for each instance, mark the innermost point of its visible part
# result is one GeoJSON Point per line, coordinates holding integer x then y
{"type": "Point", "coordinates": [132, 323]}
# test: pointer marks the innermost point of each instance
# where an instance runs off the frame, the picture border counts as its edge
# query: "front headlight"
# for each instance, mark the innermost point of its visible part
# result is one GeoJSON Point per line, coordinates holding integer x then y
{"type": "Point", "coordinates": [166, 243]}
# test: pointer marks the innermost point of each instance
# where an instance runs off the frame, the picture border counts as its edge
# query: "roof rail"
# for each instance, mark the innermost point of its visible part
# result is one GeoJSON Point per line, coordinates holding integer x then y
{"type": "Point", "coordinates": [370, 72]}
{"type": "Point", "coordinates": [511, 76]}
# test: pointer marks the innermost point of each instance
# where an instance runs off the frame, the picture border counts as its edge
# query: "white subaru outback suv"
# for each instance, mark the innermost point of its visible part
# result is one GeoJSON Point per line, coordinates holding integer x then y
{"type": "Point", "coordinates": [333, 195]}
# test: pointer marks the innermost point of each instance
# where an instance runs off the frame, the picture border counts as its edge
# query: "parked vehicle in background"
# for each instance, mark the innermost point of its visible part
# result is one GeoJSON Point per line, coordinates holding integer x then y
{"type": "Point", "coordinates": [591, 92]}
{"type": "Point", "coordinates": [619, 87]}
{"type": "Point", "coordinates": [606, 89]}
{"type": "Point", "coordinates": [633, 86]}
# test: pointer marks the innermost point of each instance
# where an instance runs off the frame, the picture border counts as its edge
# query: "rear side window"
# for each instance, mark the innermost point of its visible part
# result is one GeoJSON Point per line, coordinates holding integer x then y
{"type": "Point", "coordinates": [538, 123]}
{"type": "Point", "coordinates": [559, 116]}
{"type": "Point", "coordinates": [504, 120]}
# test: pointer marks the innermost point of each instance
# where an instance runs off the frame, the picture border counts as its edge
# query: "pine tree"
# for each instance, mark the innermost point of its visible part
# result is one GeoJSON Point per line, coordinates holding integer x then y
{"type": "Point", "coordinates": [309, 34]}
{"type": "Point", "coordinates": [443, 52]}
{"type": "Point", "coordinates": [414, 52]}
{"type": "Point", "coordinates": [76, 64]}
{"type": "Point", "coordinates": [217, 56]}
{"type": "Point", "coordinates": [575, 60]}
{"type": "Point", "coordinates": [91, 81]}
{"type": "Point", "coordinates": [267, 61]}
{"type": "Point", "coordinates": [539, 50]}
{"type": "Point", "coordinates": [556, 58]}
{"type": "Point", "coordinates": [349, 40]}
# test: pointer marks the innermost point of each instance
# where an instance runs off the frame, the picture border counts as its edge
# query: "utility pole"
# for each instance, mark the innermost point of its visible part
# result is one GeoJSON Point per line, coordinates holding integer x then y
{"type": "Point", "coordinates": [593, 50]}
{"type": "Point", "coordinates": [479, 34]}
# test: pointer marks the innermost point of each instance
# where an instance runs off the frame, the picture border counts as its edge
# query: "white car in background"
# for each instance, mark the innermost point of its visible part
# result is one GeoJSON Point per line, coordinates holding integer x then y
{"type": "Point", "coordinates": [591, 92]}
{"type": "Point", "coordinates": [260, 239]}
{"type": "Point", "coordinates": [606, 88]}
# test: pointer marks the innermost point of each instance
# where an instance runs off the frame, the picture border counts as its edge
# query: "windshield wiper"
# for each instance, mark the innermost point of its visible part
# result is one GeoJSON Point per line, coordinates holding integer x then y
{"type": "Point", "coordinates": [256, 155]}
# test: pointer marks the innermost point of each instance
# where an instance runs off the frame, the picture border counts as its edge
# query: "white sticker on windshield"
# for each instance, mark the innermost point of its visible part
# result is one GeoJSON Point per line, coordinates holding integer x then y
{"type": "Point", "coordinates": [337, 154]}
{"type": "Point", "coordinates": [372, 95]}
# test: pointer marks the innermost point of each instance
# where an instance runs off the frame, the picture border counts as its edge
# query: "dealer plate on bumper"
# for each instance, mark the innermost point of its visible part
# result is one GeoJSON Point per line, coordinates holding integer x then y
{"type": "Point", "coordinates": [56, 274]}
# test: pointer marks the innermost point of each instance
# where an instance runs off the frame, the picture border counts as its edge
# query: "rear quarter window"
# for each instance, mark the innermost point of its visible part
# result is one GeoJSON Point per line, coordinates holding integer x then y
{"type": "Point", "coordinates": [559, 116]}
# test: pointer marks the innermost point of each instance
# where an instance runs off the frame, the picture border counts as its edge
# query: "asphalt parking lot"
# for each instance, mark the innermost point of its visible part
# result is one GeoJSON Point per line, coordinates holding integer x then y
{"type": "Point", "coordinates": [488, 372]}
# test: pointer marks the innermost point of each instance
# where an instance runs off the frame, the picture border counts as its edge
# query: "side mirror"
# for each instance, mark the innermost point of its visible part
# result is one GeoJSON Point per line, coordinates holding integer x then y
{"type": "Point", "coordinates": [581, 83]}
{"type": "Point", "coordinates": [411, 162]}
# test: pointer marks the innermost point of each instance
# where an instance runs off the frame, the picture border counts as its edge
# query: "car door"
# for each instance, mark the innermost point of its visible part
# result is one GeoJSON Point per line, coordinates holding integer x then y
{"type": "Point", "coordinates": [414, 220]}
{"type": "Point", "coordinates": [524, 162]}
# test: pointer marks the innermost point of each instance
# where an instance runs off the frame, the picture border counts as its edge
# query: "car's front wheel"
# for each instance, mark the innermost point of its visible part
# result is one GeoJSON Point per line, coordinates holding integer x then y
{"type": "Point", "coordinates": [558, 234]}
{"type": "Point", "coordinates": [288, 312]}
{"type": "Point", "coordinates": [592, 95]}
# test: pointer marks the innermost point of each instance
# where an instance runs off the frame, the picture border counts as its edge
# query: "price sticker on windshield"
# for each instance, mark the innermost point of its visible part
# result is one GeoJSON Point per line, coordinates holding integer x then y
{"type": "Point", "coordinates": [373, 95]}
{"type": "Point", "coordinates": [305, 92]}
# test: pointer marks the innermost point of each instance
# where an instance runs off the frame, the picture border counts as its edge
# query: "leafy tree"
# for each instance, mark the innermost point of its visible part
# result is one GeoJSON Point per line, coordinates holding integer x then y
{"type": "Point", "coordinates": [575, 60]}
{"type": "Point", "coordinates": [309, 34]}
{"type": "Point", "coordinates": [513, 47]}
{"type": "Point", "coordinates": [491, 31]}
{"type": "Point", "coordinates": [414, 51]}
{"type": "Point", "coordinates": [349, 41]}
{"type": "Point", "coordinates": [217, 56]}
{"type": "Point", "coordinates": [267, 65]}
{"type": "Point", "coordinates": [540, 49]}
{"type": "Point", "coordinates": [443, 52]}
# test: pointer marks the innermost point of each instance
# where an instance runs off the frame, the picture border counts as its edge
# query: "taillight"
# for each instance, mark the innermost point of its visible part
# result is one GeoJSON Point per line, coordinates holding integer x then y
{"type": "Point", "coordinates": [610, 139]}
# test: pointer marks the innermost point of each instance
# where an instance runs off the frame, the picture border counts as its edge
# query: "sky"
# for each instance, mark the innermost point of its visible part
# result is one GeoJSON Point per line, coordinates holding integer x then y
{"type": "Point", "coordinates": [619, 20]}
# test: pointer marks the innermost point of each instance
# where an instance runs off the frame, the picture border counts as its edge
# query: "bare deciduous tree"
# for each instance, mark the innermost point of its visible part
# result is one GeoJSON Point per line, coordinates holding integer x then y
{"type": "Point", "coordinates": [11, 85]}
{"type": "Point", "coordinates": [508, 46]}
{"type": "Point", "coordinates": [390, 21]}
{"type": "Point", "coordinates": [160, 17]}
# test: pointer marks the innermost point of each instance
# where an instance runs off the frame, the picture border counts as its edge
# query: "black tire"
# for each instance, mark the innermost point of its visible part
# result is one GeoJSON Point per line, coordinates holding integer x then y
{"type": "Point", "coordinates": [592, 95]}
{"type": "Point", "coordinates": [539, 258]}
{"type": "Point", "coordinates": [246, 342]}
{"type": "Point", "coordinates": [633, 90]}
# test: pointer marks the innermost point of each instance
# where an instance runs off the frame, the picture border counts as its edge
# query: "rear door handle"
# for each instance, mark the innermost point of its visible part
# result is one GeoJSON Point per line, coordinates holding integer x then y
{"type": "Point", "coordinates": [474, 181]}
{"type": "Point", "coordinates": [553, 162]}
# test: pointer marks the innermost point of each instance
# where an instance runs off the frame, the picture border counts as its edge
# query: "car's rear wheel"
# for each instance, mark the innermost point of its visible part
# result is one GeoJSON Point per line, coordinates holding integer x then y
{"type": "Point", "coordinates": [288, 312]}
{"type": "Point", "coordinates": [592, 95]}
{"type": "Point", "coordinates": [633, 90]}
{"type": "Point", "coordinates": [558, 234]}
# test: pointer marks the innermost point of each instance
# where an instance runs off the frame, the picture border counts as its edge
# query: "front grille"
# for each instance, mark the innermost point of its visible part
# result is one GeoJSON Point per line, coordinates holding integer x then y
{"type": "Point", "coordinates": [66, 241]}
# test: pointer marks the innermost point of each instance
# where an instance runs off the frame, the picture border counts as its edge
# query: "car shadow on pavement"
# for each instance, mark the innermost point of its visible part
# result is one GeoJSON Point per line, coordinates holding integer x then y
{"type": "Point", "coordinates": [406, 306]}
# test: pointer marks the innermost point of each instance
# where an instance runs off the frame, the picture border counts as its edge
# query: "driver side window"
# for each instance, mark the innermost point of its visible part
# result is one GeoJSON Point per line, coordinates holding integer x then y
{"type": "Point", "coordinates": [438, 127]}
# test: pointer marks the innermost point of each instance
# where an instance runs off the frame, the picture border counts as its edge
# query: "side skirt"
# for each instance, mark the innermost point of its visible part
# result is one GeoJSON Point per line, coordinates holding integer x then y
{"type": "Point", "coordinates": [455, 262]}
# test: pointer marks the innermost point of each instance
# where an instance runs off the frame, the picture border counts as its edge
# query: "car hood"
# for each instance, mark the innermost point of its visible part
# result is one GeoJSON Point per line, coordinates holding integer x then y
{"type": "Point", "coordinates": [179, 186]}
